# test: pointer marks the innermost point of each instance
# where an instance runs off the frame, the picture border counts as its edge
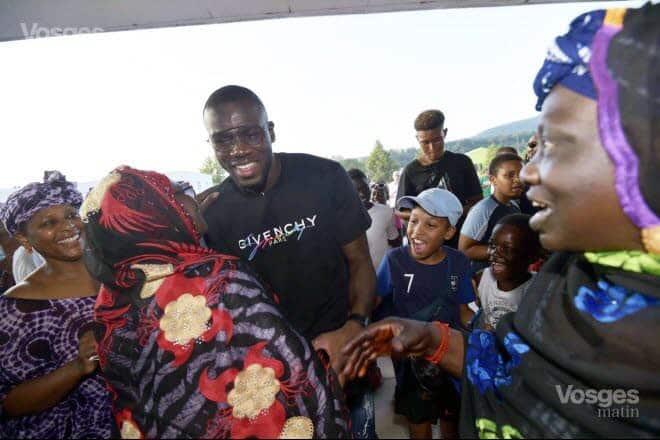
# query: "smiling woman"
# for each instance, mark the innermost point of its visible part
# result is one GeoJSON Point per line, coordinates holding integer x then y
{"type": "Point", "coordinates": [48, 383]}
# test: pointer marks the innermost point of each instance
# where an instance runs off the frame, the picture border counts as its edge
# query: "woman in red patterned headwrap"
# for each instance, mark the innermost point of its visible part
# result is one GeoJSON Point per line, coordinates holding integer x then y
{"type": "Point", "coordinates": [190, 343]}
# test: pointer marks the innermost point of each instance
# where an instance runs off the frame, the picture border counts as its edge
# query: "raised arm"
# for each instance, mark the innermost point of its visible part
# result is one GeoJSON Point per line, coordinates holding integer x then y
{"type": "Point", "coordinates": [472, 248]}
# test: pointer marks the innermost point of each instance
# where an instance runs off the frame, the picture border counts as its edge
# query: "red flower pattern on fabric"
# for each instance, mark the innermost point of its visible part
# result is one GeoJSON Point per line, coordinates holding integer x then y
{"type": "Point", "coordinates": [269, 421]}
{"type": "Point", "coordinates": [111, 319]}
{"type": "Point", "coordinates": [169, 292]}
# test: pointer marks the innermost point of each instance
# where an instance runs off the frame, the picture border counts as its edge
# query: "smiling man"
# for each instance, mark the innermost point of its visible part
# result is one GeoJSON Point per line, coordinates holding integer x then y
{"type": "Point", "coordinates": [295, 218]}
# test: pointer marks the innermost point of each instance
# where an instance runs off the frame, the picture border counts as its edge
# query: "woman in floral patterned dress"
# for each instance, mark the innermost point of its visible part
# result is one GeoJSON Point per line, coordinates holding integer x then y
{"type": "Point", "coordinates": [190, 343]}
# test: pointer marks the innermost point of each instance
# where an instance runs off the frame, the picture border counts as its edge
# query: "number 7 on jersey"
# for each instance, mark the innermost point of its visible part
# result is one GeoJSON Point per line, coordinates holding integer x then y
{"type": "Point", "coordinates": [410, 277]}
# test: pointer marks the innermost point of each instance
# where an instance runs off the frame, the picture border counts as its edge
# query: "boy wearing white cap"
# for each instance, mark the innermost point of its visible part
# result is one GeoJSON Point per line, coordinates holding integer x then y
{"type": "Point", "coordinates": [427, 281]}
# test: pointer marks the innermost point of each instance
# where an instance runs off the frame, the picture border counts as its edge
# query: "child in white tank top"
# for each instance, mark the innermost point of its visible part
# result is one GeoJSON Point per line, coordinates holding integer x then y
{"type": "Point", "coordinates": [513, 246]}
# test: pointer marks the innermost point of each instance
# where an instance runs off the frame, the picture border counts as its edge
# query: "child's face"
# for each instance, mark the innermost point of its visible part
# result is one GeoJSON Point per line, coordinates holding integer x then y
{"type": "Point", "coordinates": [427, 234]}
{"type": "Point", "coordinates": [508, 253]}
{"type": "Point", "coordinates": [507, 180]}
{"type": "Point", "coordinates": [572, 178]}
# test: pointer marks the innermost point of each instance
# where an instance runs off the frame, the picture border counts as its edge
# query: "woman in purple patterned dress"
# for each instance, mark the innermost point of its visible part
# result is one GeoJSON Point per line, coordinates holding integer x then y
{"type": "Point", "coordinates": [49, 386]}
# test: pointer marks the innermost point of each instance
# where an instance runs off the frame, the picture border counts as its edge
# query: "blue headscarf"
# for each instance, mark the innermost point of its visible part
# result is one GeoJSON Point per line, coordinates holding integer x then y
{"type": "Point", "coordinates": [567, 59]}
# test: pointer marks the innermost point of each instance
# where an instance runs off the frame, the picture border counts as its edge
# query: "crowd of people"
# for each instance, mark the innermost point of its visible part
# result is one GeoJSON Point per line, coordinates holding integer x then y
{"type": "Point", "coordinates": [258, 307]}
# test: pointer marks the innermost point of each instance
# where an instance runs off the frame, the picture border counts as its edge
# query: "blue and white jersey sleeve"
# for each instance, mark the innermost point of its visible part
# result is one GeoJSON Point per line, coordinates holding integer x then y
{"type": "Point", "coordinates": [476, 222]}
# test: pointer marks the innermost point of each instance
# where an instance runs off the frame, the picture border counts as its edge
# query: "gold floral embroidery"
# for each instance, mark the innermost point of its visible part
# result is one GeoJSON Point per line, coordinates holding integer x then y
{"type": "Point", "coordinates": [93, 200]}
{"type": "Point", "coordinates": [155, 275]}
{"type": "Point", "coordinates": [254, 391]}
{"type": "Point", "coordinates": [130, 431]}
{"type": "Point", "coordinates": [185, 318]}
{"type": "Point", "coordinates": [298, 427]}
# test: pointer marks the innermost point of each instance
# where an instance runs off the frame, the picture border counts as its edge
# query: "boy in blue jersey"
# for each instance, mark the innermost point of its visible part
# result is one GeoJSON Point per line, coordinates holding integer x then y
{"type": "Point", "coordinates": [427, 281]}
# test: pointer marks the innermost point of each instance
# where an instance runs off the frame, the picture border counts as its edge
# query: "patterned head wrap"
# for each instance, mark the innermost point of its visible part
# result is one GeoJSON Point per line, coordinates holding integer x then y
{"type": "Point", "coordinates": [613, 57]}
{"type": "Point", "coordinates": [567, 59]}
{"type": "Point", "coordinates": [27, 201]}
{"type": "Point", "coordinates": [131, 216]}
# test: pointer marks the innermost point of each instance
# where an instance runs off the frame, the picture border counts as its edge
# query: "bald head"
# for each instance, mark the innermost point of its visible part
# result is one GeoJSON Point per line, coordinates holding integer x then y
{"type": "Point", "coordinates": [233, 95]}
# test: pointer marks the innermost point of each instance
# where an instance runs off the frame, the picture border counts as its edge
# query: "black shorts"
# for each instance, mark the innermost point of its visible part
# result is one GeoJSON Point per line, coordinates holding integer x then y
{"type": "Point", "coordinates": [424, 403]}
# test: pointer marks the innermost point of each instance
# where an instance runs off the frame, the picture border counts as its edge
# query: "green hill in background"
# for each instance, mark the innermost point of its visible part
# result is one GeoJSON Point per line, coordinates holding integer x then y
{"type": "Point", "coordinates": [479, 155]}
{"type": "Point", "coordinates": [522, 126]}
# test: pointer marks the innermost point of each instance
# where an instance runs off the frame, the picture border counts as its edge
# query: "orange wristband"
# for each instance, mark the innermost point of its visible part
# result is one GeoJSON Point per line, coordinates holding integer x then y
{"type": "Point", "coordinates": [443, 348]}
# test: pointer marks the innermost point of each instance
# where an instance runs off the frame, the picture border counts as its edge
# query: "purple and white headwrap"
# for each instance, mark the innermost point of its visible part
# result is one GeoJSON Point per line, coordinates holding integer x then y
{"type": "Point", "coordinates": [27, 201]}
{"type": "Point", "coordinates": [617, 66]}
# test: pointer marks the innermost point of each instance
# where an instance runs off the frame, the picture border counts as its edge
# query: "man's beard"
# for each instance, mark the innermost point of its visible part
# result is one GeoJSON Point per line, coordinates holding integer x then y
{"type": "Point", "coordinates": [260, 186]}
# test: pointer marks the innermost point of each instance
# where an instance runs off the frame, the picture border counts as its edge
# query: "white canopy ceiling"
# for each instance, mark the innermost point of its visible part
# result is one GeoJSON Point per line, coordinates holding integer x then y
{"type": "Point", "coordinates": [29, 18]}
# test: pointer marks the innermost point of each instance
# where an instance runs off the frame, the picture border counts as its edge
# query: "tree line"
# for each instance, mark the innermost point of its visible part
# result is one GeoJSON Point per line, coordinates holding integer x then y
{"type": "Point", "coordinates": [382, 162]}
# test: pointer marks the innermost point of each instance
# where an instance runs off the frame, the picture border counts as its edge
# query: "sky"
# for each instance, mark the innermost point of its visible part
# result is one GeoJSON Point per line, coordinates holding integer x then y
{"type": "Point", "coordinates": [333, 85]}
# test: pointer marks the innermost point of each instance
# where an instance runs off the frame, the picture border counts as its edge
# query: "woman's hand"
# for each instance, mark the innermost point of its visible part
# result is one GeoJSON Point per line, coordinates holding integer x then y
{"type": "Point", "coordinates": [392, 336]}
{"type": "Point", "coordinates": [42, 393]}
{"type": "Point", "coordinates": [87, 357]}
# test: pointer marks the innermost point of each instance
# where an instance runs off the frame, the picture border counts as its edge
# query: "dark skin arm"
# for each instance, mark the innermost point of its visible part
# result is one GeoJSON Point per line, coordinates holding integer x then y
{"type": "Point", "coordinates": [362, 276]}
{"type": "Point", "coordinates": [399, 338]}
{"type": "Point", "coordinates": [362, 297]}
{"type": "Point", "coordinates": [44, 392]}
{"type": "Point", "coordinates": [472, 248]}
{"type": "Point", "coordinates": [206, 198]}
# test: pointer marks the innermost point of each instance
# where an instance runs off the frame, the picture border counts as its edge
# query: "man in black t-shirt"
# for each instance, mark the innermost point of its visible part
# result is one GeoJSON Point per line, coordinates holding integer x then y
{"type": "Point", "coordinates": [436, 167]}
{"type": "Point", "coordinates": [295, 218]}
